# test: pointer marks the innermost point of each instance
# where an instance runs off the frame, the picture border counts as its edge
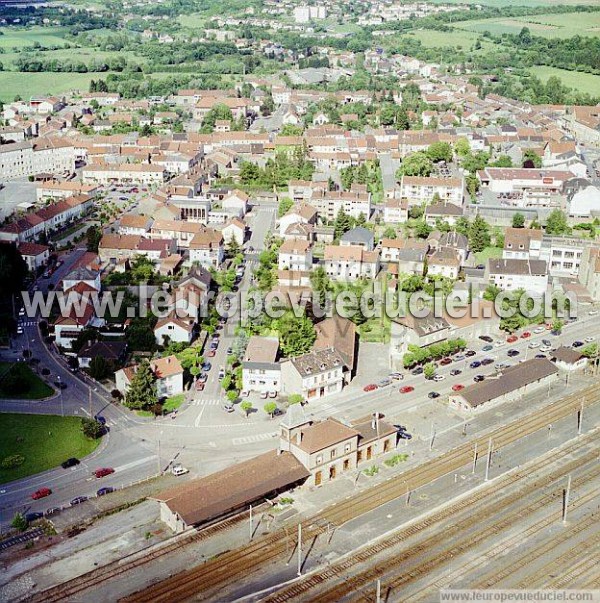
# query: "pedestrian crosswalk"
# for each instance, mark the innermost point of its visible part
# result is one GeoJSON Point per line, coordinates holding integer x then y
{"type": "Point", "coordinates": [212, 402]}
{"type": "Point", "coordinates": [259, 437]}
{"type": "Point", "coordinates": [28, 323]}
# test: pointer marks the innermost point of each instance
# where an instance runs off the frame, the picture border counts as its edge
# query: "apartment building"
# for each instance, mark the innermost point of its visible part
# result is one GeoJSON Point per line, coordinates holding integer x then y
{"type": "Point", "coordinates": [512, 274]}
{"type": "Point", "coordinates": [42, 156]}
{"type": "Point", "coordinates": [261, 371]}
{"type": "Point", "coordinates": [419, 190]}
{"type": "Point", "coordinates": [350, 262]}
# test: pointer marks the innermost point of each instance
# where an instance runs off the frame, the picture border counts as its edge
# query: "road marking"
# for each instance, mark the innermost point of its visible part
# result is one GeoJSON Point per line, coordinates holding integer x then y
{"type": "Point", "coordinates": [137, 463]}
{"type": "Point", "coordinates": [199, 417]}
{"type": "Point", "coordinates": [259, 437]}
{"type": "Point", "coordinates": [85, 411]}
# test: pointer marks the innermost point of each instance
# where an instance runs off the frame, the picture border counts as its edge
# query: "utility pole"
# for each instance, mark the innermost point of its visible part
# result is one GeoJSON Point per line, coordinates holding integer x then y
{"type": "Point", "coordinates": [378, 599]}
{"type": "Point", "coordinates": [474, 458]}
{"type": "Point", "coordinates": [567, 492]}
{"type": "Point", "coordinates": [432, 436]}
{"type": "Point", "coordinates": [489, 460]}
{"type": "Point", "coordinates": [580, 418]}
{"type": "Point", "coordinates": [251, 528]}
{"type": "Point", "coordinates": [299, 549]}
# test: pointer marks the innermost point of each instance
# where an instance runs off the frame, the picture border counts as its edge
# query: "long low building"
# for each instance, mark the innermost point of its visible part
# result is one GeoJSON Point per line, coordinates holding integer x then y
{"type": "Point", "coordinates": [507, 385]}
{"type": "Point", "coordinates": [220, 494]}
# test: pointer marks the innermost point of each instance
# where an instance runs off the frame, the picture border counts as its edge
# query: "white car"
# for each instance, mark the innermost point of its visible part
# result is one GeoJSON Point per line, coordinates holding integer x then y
{"type": "Point", "coordinates": [439, 377]}
{"type": "Point", "coordinates": [589, 339]}
{"type": "Point", "coordinates": [534, 344]}
{"type": "Point", "coordinates": [546, 348]}
{"type": "Point", "coordinates": [20, 330]}
{"type": "Point", "coordinates": [592, 312]}
{"type": "Point", "coordinates": [179, 470]}
{"type": "Point", "coordinates": [539, 330]}
{"type": "Point", "coordinates": [498, 343]}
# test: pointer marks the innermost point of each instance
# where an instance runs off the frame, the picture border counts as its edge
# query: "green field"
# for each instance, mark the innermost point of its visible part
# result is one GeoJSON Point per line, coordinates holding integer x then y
{"type": "Point", "coordinates": [549, 26]}
{"type": "Point", "coordinates": [37, 84]}
{"type": "Point", "coordinates": [44, 440]}
{"type": "Point", "coordinates": [21, 37]}
{"type": "Point", "coordinates": [583, 82]}
{"type": "Point", "coordinates": [505, 3]}
{"type": "Point", "coordinates": [35, 388]}
{"type": "Point", "coordinates": [487, 253]}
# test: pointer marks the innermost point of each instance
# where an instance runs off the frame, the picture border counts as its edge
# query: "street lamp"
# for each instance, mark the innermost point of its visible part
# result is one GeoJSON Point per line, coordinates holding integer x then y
{"type": "Point", "coordinates": [62, 408]}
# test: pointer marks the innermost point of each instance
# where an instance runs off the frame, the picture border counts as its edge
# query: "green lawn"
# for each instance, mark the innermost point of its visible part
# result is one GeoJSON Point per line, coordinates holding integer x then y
{"type": "Point", "coordinates": [173, 403]}
{"type": "Point", "coordinates": [431, 38]}
{"type": "Point", "coordinates": [504, 3]}
{"type": "Point", "coordinates": [582, 82]}
{"type": "Point", "coordinates": [44, 440]}
{"type": "Point", "coordinates": [37, 84]}
{"type": "Point", "coordinates": [36, 389]}
{"type": "Point", "coordinates": [21, 37]}
{"type": "Point", "coordinates": [550, 26]}
{"type": "Point", "coordinates": [487, 253]}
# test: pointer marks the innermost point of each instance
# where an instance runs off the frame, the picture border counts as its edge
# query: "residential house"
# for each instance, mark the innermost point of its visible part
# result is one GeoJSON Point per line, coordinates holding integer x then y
{"type": "Point", "coordinates": [350, 262]}
{"type": "Point", "coordinates": [589, 271]}
{"type": "Point", "coordinates": [234, 230]}
{"type": "Point", "coordinates": [445, 212]}
{"type": "Point", "coordinates": [174, 328]}
{"type": "Point", "coordinates": [510, 275]}
{"type": "Point", "coordinates": [395, 211]}
{"type": "Point", "coordinates": [522, 243]}
{"type": "Point", "coordinates": [418, 190]}
{"type": "Point", "coordinates": [113, 352]}
{"type": "Point", "coordinates": [358, 236]}
{"type": "Point", "coordinates": [568, 359]}
{"type": "Point", "coordinates": [206, 248]}
{"type": "Point", "coordinates": [295, 254]}
{"type": "Point", "coordinates": [135, 224]}
{"type": "Point", "coordinates": [261, 371]}
{"type": "Point", "coordinates": [35, 255]}
{"type": "Point", "coordinates": [303, 214]}
{"type": "Point", "coordinates": [167, 371]}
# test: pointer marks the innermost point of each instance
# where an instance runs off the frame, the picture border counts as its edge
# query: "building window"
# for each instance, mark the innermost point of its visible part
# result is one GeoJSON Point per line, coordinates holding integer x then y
{"type": "Point", "coordinates": [347, 447]}
{"type": "Point", "coordinates": [319, 459]}
{"type": "Point", "coordinates": [333, 453]}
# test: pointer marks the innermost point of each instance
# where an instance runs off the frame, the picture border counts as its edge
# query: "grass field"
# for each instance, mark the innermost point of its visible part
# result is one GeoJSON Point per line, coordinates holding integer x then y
{"type": "Point", "coordinates": [44, 440]}
{"type": "Point", "coordinates": [36, 84]}
{"type": "Point", "coordinates": [36, 390]}
{"type": "Point", "coordinates": [550, 26]}
{"type": "Point", "coordinates": [583, 82]}
{"type": "Point", "coordinates": [504, 3]}
{"type": "Point", "coordinates": [18, 38]}
{"type": "Point", "coordinates": [487, 253]}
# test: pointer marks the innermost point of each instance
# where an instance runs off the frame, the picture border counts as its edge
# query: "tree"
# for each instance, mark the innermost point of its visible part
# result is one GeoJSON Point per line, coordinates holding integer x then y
{"type": "Point", "coordinates": [518, 220]}
{"type": "Point", "coordinates": [504, 161]}
{"type": "Point", "coordinates": [531, 159]}
{"type": "Point", "coordinates": [462, 147]}
{"type": "Point", "coordinates": [99, 368]}
{"type": "Point", "coordinates": [270, 408]}
{"type": "Point", "coordinates": [417, 164]}
{"type": "Point", "coordinates": [246, 406]}
{"type": "Point", "coordinates": [422, 229]}
{"type": "Point", "coordinates": [285, 204]}
{"type": "Point", "coordinates": [342, 223]}
{"type": "Point", "coordinates": [556, 224]}
{"type": "Point", "coordinates": [321, 285]}
{"type": "Point", "coordinates": [296, 334]}
{"type": "Point", "coordinates": [390, 233]}
{"type": "Point", "coordinates": [479, 234]}
{"type": "Point", "coordinates": [491, 292]}
{"type": "Point", "coordinates": [440, 151]}
{"type": "Point", "coordinates": [557, 325]}
{"type": "Point", "coordinates": [142, 269]}
{"type": "Point", "coordinates": [93, 235]}
{"type": "Point", "coordinates": [142, 389]}
{"type": "Point", "coordinates": [429, 370]}
{"type": "Point", "coordinates": [295, 399]}
{"type": "Point", "coordinates": [19, 522]}
{"type": "Point", "coordinates": [91, 428]}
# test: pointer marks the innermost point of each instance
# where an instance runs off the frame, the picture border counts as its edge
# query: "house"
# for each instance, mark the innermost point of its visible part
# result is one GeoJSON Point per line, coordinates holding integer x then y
{"type": "Point", "coordinates": [174, 328]}
{"type": "Point", "coordinates": [409, 254]}
{"type": "Point", "coordinates": [83, 275]}
{"type": "Point", "coordinates": [303, 214]}
{"type": "Point", "coordinates": [313, 375]}
{"type": "Point", "coordinates": [395, 211]}
{"type": "Point", "coordinates": [510, 275]}
{"type": "Point", "coordinates": [456, 243]}
{"type": "Point", "coordinates": [510, 384]}
{"type": "Point", "coordinates": [236, 203]}
{"type": "Point", "coordinates": [522, 243]}
{"type": "Point", "coordinates": [113, 352]}
{"type": "Point", "coordinates": [359, 236]}
{"type": "Point", "coordinates": [295, 254]}
{"type": "Point", "coordinates": [135, 224]}
{"type": "Point", "coordinates": [568, 359]}
{"type": "Point", "coordinates": [329, 448]}
{"type": "Point", "coordinates": [444, 262]}
{"type": "Point", "coordinates": [419, 190]}
{"type": "Point", "coordinates": [206, 248]}
{"type": "Point", "coordinates": [445, 212]}
{"type": "Point", "coordinates": [35, 255]}
{"type": "Point", "coordinates": [68, 326]}
{"type": "Point", "coordinates": [589, 271]}
{"type": "Point", "coordinates": [167, 371]}
{"type": "Point", "coordinates": [234, 230]}
{"type": "Point", "coordinates": [338, 333]}
{"type": "Point", "coordinates": [189, 297]}
{"type": "Point", "coordinates": [350, 262]}
{"type": "Point", "coordinates": [261, 371]}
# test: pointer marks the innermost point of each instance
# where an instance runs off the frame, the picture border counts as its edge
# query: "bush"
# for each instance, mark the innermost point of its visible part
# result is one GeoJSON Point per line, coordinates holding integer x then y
{"type": "Point", "coordinates": [19, 522]}
{"type": "Point", "coordinates": [371, 471]}
{"type": "Point", "coordinates": [10, 462]}
{"type": "Point", "coordinates": [397, 458]}
{"type": "Point", "coordinates": [92, 429]}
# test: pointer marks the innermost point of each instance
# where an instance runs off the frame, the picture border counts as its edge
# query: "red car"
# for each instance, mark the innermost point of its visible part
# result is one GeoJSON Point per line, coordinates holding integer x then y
{"type": "Point", "coordinates": [512, 339]}
{"type": "Point", "coordinates": [457, 387]}
{"type": "Point", "coordinates": [406, 389]}
{"type": "Point", "coordinates": [104, 471]}
{"type": "Point", "coordinates": [445, 361]}
{"type": "Point", "coordinates": [211, 353]}
{"type": "Point", "coordinates": [41, 493]}
{"type": "Point", "coordinates": [526, 335]}
{"type": "Point", "coordinates": [369, 388]}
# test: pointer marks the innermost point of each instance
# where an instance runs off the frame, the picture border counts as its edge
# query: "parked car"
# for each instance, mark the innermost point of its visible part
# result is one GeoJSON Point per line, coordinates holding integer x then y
{"type": "Point", "coordinates": [533, 344]}
{"type": "Point", "coordinates": [406, 389]}
{"type": "Point", "coordinates": [545, 349]}
{"type": "Point", "coordinates": [486, 338]}
{"type": "Point", "coordinates": [33, 516]}
{"type": "Point", "coordinates": [104, 471]}
{"type": "Point", "coordinates": [590, 339]}
{"type": "Point", "coordinates": [455, 372]}
{"type": "Point", "coordinates": [417, 371]}
{"type": "Point", "coordinates": [487, 361]}
{"type": "Point", "coordinates": [264, 395]}
{"type": "Point", "coordinates": [206, 366]}
{"type": "Point", "coordinates": [539, 330]}
{"type": "Point", "coordinates": [512, 339]}
{"type": "Point", "coordinates": [478, 378]}
{"type": "Point", "coordinates": [577, 344]}
{"type": "Point", "coordinates": [371, 387]}
{"type": "Point", "coordinates": [459, 358]}
{"type": "Point", "coordinates": [384, 382]}
{"type": "Point", "coordinates": [487, 348]}
{"type": "Point", "coordinates": [202, 377]}
{"type": "Point", "coordinates": [41, 493]}
{"type": "Point", "coordinates": [228, 408]}
{"type": "Point", "coordinates": [396, 376]}
{"type": "Point", "coordinates": [199, 386]}
{"type": "Point", "coordinates": [78, 500]}
{"type": "Point", "coordinates": [179, 470]}
{"type": "Point", "coordinates": [512, 353]}
{"type": "Point", "coordinates": [546, 342]}
{"type": "Point", "coordinates": [104, 491]}
{"type": "Point", "coordinates": [445, 361]}
{"type": "Point", "coordinates": [470, 353]}
{"type": "Point", "coordinates": [540, 356]}
{"type": "Point", "coordinates": [404, 435]}
{"type": "Point", "coordinates": [458, 387]}
{"type": "Point", "coordinates": [221, 373]}
{"type": "Point", "coordinates": [211, 353]}
{"type": "Point", "coordinates": [70, 463]}
{"type": "Point", "coordinates": [525, 335]}
{"type": "Point", "coordinates": [439, 377]}
{"type": "Point", "coordinates": [475, 364]}
{"type": "Point", "coordinates": [52, 511]}
{"type": "Point", "coordinates": [433, 395]}
{"type": "Point", "coordinates": [229, 351]}
{"type": "Point", "coordinates": [272, 394]}
{"type": "Point", "coordinates": [498, 343]}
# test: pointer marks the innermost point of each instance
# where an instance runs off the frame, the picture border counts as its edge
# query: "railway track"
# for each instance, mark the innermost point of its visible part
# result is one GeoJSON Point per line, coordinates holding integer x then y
{"type": "Point", "coordinates": [465, 512]}
{"type": "Point", "coordinates": [203, 581]}
{"type": "Point", "coordinates": [131, 562]}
